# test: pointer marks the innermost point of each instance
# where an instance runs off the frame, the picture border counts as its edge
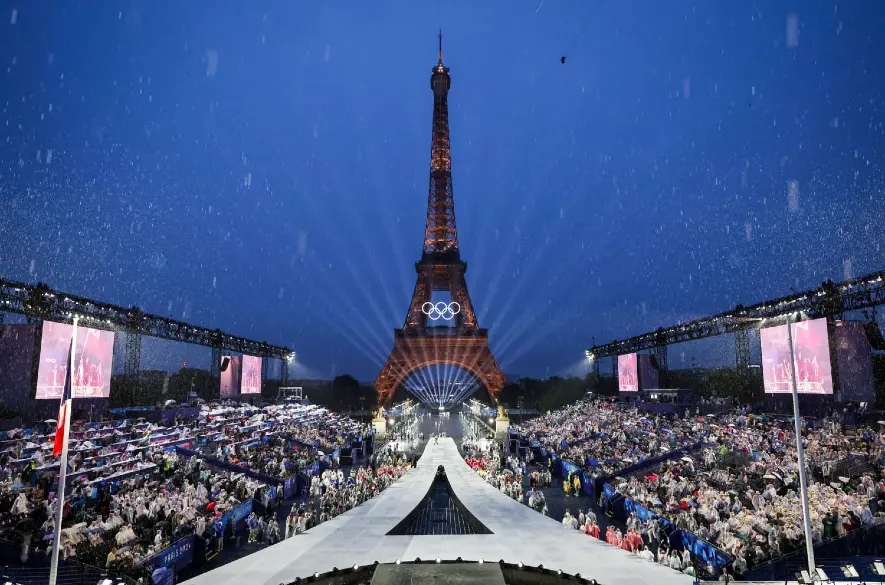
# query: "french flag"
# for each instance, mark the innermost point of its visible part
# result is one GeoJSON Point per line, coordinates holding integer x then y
{"type": "Point", "coordinates": [64, 409]}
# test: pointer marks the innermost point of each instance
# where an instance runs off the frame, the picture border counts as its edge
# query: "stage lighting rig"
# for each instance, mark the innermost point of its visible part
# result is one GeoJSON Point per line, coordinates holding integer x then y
{"type": "Point", "coordinates": [828, 300]}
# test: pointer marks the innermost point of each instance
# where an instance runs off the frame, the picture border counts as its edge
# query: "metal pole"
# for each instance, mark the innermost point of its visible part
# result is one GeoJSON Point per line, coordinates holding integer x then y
{"type": "Point", "coordinates": [63, 465]}
{"type": "Point", "coordinates": [803, 483]}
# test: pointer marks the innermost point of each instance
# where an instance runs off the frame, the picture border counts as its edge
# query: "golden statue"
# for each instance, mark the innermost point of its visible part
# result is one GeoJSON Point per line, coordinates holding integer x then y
{"type": "Point", "coordinates": [379, 415]}
{"type": "Point", "coordinates": [502, 414]}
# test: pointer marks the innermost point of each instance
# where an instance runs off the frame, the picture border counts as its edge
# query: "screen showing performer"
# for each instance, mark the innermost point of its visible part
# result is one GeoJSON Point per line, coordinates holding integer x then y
{"type": "Point", "coordinates": [628, 380]}
{"type": "Point", "coordinates": [230, 375]}
{"type": "Point", "coordinates": [93, 357]}
{"type": "Point", "coordinates": [811, 353]}
{"type": "Point", "coordinates": [251, 375]}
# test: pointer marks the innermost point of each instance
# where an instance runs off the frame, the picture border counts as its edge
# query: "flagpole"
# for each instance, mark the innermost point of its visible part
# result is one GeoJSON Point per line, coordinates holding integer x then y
{"type": "Point", "coordinates": [63, 466]}
{"type": "Point", "coordinates": [803, 482]}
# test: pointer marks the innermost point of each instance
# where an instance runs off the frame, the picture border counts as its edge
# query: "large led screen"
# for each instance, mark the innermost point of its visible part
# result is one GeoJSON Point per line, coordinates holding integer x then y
{"type": "Point", "coordinates": [251, 375]}
{"type": "Point", "coordinates": [648, 373]}
{"type": "Point", "coordinates": [93, 358]}
{"type": "Point", "coordinates": [230, 375]}
{"type": "Point", "coordinates": [628, 379]}
{"type": "Point", "coordinates": [854, 358]}
{"type": "Point", "coordinates": [811, 349]}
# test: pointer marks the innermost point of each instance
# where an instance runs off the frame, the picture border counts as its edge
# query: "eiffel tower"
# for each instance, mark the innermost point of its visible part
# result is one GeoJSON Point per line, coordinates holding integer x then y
{"type": "Point", "coordinates": [416, 345]}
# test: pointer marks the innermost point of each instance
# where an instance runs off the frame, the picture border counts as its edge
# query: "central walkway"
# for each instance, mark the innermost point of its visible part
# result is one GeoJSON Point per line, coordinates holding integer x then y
{"type": "Point", "coordinates": [519, 534]}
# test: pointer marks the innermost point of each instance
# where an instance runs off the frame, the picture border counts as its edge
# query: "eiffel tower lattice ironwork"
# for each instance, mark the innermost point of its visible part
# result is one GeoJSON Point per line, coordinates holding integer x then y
{"type": "Point", "coordinates": [418, 345]}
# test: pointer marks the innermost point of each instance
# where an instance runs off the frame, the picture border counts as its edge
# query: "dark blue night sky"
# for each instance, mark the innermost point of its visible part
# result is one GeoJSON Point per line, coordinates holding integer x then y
{"type": "Point", "coordinates": [263, 167]}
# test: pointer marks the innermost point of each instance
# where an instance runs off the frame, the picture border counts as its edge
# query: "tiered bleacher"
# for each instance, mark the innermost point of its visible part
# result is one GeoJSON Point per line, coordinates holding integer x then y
{"type": "Point", "coordinates": [145, 496]}
{"type": "Point", "coordinates": [723, 486]}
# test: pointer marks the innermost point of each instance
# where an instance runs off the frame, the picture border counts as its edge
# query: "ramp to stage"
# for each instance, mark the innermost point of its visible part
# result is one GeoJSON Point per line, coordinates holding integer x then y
{"type": "Point", "coordinates": [519, 534]}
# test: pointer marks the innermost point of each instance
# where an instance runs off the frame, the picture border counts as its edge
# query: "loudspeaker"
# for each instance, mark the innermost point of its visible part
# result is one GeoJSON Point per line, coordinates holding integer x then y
{"type": "Point", "coordinates": [225, 362]}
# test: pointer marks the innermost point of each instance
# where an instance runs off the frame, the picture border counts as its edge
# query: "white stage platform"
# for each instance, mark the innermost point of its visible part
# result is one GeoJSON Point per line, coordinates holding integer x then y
{"type": "Point", "coordinates": [520, 535]}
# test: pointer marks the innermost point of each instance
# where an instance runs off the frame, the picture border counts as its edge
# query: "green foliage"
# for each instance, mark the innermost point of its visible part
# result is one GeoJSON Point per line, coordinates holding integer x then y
{"type": "Point", "coordinates": [731, 383]}
{"type": "Point", "coordinates": [559, 392]}
{"type": "Point", "coordinates": [344, 394]}
{"type": "Point", "coordinates": [147, 390]}
{"type": "Point", "coordinates": [187, 380]}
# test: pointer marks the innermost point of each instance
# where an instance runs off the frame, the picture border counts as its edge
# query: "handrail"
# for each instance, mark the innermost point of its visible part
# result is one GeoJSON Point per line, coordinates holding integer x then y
{"type": "Point", "coordinates": [65, 567]}
{"type": "Point", "coordinates": [790, 557]}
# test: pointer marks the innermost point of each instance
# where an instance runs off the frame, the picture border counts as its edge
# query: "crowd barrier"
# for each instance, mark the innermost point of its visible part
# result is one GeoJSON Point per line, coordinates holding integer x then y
{"type": "Point", "coordinates": [268, 495]}
{"type": "Point", "coordinates": [235, 519]}
{"type": "Point", "coordinates": [169, 415]}
{"type": "Point", "coordinates": [178, 555]}
{"type": "Point", "coordinates": [224, 465]}
{"type": "Point", "coordinates": [646, 463]}
{"type": "Point", "coordinates": [591, 485]}
{"type": "Point", "coordinates": [567, 469]}
{"type": "Point", "coordinates": [706, 553]}
{"type": "Point", "coordinates": [292, 487]}
{"type": "Point", "coordinates": [189, 549]}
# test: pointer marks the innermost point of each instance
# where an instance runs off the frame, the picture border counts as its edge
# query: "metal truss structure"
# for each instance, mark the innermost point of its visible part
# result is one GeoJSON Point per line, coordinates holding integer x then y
{"type": "Point", "coordinates": [419, 344]}
{"type": "Point", "coordinates": [830, 299]}
{"type": "Point", "coordinates": [40, 302]}
{"type": "Point", "coordinates": [742, 349]}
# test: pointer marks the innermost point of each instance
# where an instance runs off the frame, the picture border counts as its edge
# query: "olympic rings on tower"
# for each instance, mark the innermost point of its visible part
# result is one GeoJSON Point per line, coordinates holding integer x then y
{"type": "Point", "coordinates": [441, 310]}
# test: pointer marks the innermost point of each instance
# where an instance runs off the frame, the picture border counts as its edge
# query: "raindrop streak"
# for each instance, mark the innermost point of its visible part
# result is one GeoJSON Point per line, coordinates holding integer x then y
{"type": "Point", "coordinates": [793, 195]}
{"type": "Point", "coordinates": [792, 30]}
{"type": "Point", "coordinates": [211, 62]}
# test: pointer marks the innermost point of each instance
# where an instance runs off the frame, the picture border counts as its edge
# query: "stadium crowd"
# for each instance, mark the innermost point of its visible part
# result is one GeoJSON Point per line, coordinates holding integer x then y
{"type": "Point", "coordinates": [131, 493]}
{"type": "Point", "coordinates": [333, 493]}
{"type": "Point", "coordinates": [738, 489]}
{"type": "Point", "coordinates": [610, 438]}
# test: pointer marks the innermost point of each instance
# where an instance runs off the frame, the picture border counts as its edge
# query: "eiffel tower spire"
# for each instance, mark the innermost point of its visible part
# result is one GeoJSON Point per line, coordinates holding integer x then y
{"type": "Point", "coordinates": [440, 233]}
{"type": "Point", "coordinates": [440, 48]}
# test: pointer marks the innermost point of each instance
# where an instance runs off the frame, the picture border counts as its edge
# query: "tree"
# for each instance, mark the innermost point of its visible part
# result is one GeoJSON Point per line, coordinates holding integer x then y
{"type": "Point", "coordinates": [345, 393]}
{"type": "Point", "coordinates": [559, 392]}
{"type": "Point", "coordinates": [188, 380]}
